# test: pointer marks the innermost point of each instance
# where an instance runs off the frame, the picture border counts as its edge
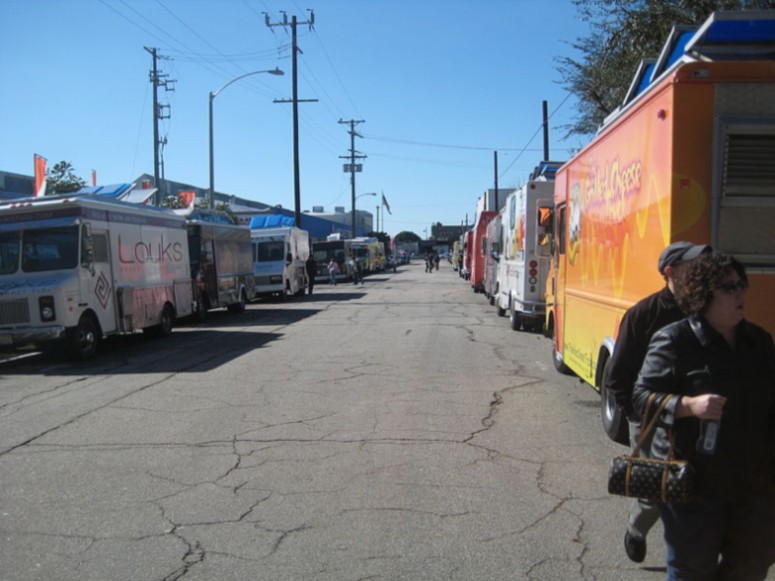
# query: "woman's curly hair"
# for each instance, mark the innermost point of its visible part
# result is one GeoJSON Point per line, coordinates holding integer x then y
{"type": "Point", "coordinates": [699, 278]}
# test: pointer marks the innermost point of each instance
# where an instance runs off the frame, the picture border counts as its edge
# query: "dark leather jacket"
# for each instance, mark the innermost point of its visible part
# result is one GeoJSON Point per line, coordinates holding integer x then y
{"type": "Point", "coordinates": [744, 461]}
{"type": "Point", "coordinates": [638, 325]}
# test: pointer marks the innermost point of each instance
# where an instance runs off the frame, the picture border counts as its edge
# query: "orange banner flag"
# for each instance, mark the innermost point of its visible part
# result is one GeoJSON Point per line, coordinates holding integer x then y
{"type": "Point", "coordinates": [39, 188]}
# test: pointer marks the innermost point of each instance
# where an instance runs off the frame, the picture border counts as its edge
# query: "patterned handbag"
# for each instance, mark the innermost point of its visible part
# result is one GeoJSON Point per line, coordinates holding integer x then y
{"type": "Point", "coordinates": [668, 480]}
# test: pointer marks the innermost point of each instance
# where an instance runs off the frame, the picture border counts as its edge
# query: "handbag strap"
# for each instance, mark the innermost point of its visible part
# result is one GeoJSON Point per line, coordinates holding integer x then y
{"type": "Point", "coordinates": [651, 422]}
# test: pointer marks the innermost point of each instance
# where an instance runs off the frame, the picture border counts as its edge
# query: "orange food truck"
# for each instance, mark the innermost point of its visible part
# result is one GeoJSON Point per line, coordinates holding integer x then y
{"type": "Point", "coordinates": [690, 155]}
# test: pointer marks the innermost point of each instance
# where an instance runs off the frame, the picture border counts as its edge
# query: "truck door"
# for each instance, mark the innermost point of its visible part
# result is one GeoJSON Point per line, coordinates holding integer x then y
{"type": "Point", "coordinates": [97, 285]}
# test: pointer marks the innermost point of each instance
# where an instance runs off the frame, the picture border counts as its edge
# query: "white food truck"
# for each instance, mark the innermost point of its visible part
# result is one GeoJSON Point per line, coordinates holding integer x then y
{"type": "Point", "coordinates": [523, 261]}
{"type": "Point", "coordinates": [279, 260]}
{"type": "Point", "coordinates": [76, 269]}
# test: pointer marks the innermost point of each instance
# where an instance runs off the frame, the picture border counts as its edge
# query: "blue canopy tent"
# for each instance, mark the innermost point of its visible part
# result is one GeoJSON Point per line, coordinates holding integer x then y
{"type": "Point", "coordinates": [318, 228]}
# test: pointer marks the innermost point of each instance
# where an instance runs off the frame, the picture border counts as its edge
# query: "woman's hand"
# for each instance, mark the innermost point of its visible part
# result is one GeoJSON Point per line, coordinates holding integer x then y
{"type": "Point", "coordinates": [708, 406]}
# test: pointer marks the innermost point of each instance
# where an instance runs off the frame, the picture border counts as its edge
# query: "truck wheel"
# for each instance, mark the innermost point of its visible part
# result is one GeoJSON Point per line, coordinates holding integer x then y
{"type": "Point", "coordinates": [548, 329]}
{"type": "Point", "coordinates": [83, 339]}
{"type": "Point", "coordinates": [164, 328]}
{"type": "Point", "coordinates": [614, 423]}
{"type": "Point", "coordinates": [559, 365]}
{"type": "Point", "coordinates": [202, 306]}
{"type": "Point", "coordinates": [514, 321]}
{"type": "Point", "coordinates": [238, 307]}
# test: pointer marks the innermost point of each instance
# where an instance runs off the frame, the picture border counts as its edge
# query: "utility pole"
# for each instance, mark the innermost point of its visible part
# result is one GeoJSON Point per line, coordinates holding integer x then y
{"type": "Point", "coordinates": [496, 208]}
{"type": "Point", "coordinates": [158, 80]}
{"type": "Point", "coordinates": [295, 101]}
{"type": "Point", "coordinates": [546, 129]}
{"type": "Point", "coordinates": [352, 167]}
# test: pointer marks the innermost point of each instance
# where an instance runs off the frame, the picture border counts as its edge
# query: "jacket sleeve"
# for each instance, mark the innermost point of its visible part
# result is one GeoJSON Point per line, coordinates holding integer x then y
{"type": "Point", "coordinates": [658, 374]}
{"type": "Point", "coordinates": [625, 362]}
{"type": "Point", "coordinates": [770, 354]}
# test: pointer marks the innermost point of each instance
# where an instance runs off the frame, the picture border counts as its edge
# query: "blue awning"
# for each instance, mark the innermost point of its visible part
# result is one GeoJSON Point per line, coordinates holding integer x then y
{"type": "Point", "coordinates": [111, 191]}
{"type": "Point", "coordinates": [739, 35]}
{"type": "Point", "coordinates": [318, 228]}
{"type": "Point", "coordinates": [271, 221]}
{"type": "Point", "coordinates": [641, 80]}
{"type": "Point", "coordinates": [673, 49]}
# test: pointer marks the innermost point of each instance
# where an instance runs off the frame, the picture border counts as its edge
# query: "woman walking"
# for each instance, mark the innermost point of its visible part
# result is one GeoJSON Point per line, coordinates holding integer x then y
{"type": "Point", "coordinates": [722, 367]}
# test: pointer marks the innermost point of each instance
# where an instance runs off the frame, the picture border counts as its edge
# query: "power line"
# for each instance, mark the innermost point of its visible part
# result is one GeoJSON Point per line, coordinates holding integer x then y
{"type": "Point", "coordinates": [540, 128]}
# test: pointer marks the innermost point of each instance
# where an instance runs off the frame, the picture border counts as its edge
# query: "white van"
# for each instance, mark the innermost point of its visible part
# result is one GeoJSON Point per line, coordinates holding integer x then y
{"type": "Point", "coordinates": [279, 260]}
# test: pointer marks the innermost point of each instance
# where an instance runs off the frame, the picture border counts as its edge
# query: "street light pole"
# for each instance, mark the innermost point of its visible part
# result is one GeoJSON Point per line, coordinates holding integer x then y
{"type": "Point", "coordinates": [274, 71]}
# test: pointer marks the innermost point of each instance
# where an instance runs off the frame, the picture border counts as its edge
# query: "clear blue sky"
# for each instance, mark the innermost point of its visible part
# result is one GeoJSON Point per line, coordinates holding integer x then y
{"type": "Point", "coordinates": [440, 85]}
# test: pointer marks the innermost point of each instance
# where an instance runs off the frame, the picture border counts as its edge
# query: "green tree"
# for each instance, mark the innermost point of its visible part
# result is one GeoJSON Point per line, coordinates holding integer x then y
{"type": "Point", "coordinates": [61, 179]}
{"type": "Point", "coordinates": [406, 236]}
{"type": "Point", "coordinates": [622, 33]}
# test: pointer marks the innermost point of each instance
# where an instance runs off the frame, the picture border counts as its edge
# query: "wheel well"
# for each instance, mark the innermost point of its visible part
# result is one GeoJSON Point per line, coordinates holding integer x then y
{"type": "Point", "coordinates": [602, 357]}
{"type": "Point", "coordinates": [94, 319]}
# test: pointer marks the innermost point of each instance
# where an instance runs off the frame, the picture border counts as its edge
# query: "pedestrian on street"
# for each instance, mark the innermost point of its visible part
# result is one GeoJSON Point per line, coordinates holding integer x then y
{"type": "Point", "coordinates": [638, 325]}
{"type": "Point", "coordinates": [333, 269]}
{"type": "Point", "coordinates": [429, 262]}
{"type": "Point", "coordinates": [357, 270]}
{"type": "Point", "coordinates": [312, 270]}
{"type": "Point", "coordinates": [722, 367]}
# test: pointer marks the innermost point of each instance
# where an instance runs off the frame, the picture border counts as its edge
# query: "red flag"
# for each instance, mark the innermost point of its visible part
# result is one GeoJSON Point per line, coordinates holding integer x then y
{"type": "Point", "coordinates": [39, 188]}
{"type": "Point", "coordinates": [94, 177]}
{"type": "Point", "coordinates": [387, 206]}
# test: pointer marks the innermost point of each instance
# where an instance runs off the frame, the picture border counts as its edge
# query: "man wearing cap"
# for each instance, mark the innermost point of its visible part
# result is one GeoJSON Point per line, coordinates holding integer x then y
{"type": "Point", "coordinates": [639, 323]}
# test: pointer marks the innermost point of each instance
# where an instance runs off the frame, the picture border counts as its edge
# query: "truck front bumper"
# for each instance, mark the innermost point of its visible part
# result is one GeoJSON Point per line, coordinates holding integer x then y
{"type": "Point", "coordinates": [12, 337]}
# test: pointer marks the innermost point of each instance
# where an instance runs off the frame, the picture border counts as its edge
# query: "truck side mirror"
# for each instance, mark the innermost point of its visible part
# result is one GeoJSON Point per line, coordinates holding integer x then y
{"type": "Point", "coordinates": [87, 248]}
{"type": "Point", "coordinates": [288, 258]}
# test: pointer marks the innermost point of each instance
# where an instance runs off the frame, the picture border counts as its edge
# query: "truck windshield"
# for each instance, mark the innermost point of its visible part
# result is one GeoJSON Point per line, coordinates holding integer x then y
{"type": "Point", "coordinates": [50, 249]}
{"type": "Point", "coordinates": [270, 251]}
{"type": "Point", "coordinates": [9, 252]}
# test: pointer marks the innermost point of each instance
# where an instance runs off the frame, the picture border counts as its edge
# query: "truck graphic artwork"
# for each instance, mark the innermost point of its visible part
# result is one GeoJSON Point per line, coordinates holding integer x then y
{"type": "Point", "coordinates": [161, 251]}
{"type": "Point", "coordinates": [686, 157]}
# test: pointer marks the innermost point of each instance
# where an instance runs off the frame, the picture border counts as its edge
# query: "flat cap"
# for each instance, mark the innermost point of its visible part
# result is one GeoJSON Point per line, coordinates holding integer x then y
{"type": "Point", "coordinates": [680, 252]}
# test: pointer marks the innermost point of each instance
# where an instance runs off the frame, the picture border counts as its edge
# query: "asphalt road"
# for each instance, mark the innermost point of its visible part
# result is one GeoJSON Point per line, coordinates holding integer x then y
{"type": "Point", "coordinates": [395, 430]}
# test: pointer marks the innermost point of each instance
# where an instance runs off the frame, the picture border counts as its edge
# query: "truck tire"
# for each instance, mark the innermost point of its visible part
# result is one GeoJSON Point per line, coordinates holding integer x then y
{"type": "Point", "coordinates": [239, 306]}
{"type": "Point", "coordinates": [559, 364]}
{"type": "Point", "coordinates": [202, 306]}
{"type": "Point", "coordinates": [164, 328]}
{"type": "Point", "coordinates": [615, 423]}
{"type": "Point", "coordinates": [548, 327]}
{"type": "Point", "coordinates": [82, 340]}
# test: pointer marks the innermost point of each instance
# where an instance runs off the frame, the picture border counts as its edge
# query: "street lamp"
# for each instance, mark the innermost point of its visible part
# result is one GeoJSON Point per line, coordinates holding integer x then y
{"type": "Point", "coordinates": [274, 71]}
{"type": "Point", "coordinates": [355, 198]}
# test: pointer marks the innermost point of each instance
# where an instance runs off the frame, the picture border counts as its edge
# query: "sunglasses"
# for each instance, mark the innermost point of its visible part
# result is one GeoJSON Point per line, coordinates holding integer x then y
{"type": "Point", "coordinates": [731, 288]}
